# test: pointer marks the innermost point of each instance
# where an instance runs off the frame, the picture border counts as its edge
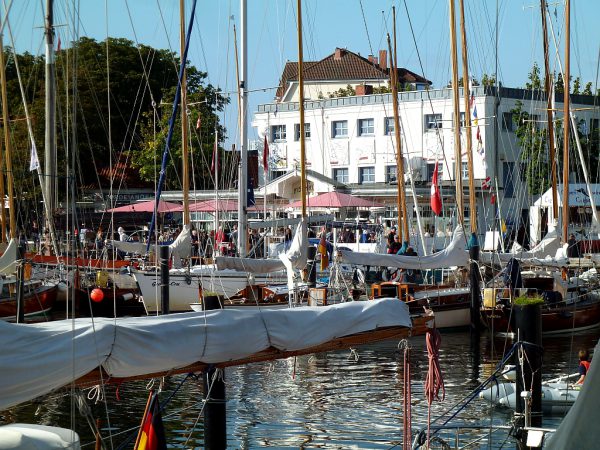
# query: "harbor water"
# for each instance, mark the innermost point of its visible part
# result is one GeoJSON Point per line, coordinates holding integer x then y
{"type": "Point", "coordinates": [343, 399]}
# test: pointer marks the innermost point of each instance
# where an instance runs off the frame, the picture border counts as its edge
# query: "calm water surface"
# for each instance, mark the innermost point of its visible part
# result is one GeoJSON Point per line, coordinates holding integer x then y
{"type": "Point", "coordinates": [334, 400]}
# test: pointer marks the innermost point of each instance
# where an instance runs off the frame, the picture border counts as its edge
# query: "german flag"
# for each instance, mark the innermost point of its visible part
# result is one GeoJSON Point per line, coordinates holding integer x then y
{"type": "Point", "coordinates": [152, 432]}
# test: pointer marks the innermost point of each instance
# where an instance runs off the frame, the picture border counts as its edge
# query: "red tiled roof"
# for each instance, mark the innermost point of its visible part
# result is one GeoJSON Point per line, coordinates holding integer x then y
{"type": "Point", "coordinates": [348, 66]}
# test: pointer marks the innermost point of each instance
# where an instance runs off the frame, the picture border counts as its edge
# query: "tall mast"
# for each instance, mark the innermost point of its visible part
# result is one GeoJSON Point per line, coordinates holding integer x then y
{"type": "Point", "coordinates": [566, 83]}
{"type": "Point", "coordinates": [243, 173]}
{"type": "Point", "coordinates": [467, 100]}
{"type": "Point", "coordinates": [455, 102]}
{"type": "Point", "coordinates": [184, 123]}
{"type": "Point", "coordinates": [50, 136]}
{"type": "Point", "coordinates": [550, 95]}
{"type": "Point", "coordinates": [7, 148]}
{"type": "Point", "coordinates": [403, 235]}
{"type": "Point", "coordinates": [301, 106]}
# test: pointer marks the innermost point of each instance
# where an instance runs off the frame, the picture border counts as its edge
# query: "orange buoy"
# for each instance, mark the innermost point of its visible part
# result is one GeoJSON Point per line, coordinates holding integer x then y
{"type": "Point", "coordinates": [97, 295]}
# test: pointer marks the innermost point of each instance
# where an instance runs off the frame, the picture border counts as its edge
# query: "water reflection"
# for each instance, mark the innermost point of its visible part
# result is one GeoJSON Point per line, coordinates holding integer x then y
{"type": "Point", "coordinates": [328, 400]}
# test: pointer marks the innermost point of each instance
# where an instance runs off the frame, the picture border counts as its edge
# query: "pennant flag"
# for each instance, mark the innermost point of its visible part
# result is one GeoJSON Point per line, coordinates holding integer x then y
{"type": "Point", "coordinates": [493, 199]}
{"type": "Point", "coordinates": [34, 162]}
{"type": "Point", "coordinates": [215, 157]}
{"type": "Point", "coordinates": [250, 201]}
{"type": "Point", "coordinates": [198, 123]}
{"type": "Point", "coordinates": [323, 252]}
{"type": "Point", "coordinates": [436, 199]}
{"type": "Point", "coordinates": [266, 155]}
{"type": "Point", "coordinates": [487, 183]}
{"type": "Point", "coordinates": [152, 432]}
{"type": "Point", "coordinates": [58, 45]}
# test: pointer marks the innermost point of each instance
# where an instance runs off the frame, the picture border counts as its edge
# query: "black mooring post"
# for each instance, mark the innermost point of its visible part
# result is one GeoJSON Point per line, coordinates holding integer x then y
{"type": "Point", "coordinates": [312, 266]}
{"type": "Point", "coordinates": [215, 408]}
{"type": "Point", "coordinates": [20, 315]}
{"type": "Point", "coordinates": [164, 278]}
{"type": "Point", "coordinates": [528, 326]}
{"type": "Point", "coordinates": [474, 281]}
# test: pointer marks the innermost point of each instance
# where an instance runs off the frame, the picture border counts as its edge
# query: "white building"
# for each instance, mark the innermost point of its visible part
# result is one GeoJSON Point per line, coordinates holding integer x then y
{"type": "Point", "coordinates": [351, 139]}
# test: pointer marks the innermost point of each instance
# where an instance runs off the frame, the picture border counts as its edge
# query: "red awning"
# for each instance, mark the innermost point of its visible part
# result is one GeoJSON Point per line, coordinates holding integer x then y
{"type": "Point", "coordinates": [336, 200]}
{"type": "Point", "coordinates": [147, 206]}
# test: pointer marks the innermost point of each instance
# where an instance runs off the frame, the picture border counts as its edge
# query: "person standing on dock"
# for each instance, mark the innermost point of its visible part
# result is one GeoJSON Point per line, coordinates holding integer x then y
{"type": "Point", "coordinates": [584, 365]}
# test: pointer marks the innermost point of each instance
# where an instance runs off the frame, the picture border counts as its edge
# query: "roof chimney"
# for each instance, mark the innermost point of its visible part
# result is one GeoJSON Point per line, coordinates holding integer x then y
{"type": "Point", "coordinates": [383, 59]}
{"type": "Point", "coordinates": [339, 52]}
{"type": "Point", "coordinates": [372, 59]}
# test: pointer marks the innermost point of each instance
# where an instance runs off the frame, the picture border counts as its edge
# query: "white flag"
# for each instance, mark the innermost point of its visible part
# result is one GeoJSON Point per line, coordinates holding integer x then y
{"type": "Point", "coordinates": [34, 162]}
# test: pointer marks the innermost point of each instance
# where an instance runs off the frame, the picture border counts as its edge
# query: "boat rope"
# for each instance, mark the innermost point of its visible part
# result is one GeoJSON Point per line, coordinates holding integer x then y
{"type": "Point", "coordinates": [406, 396]}
{"type": "Point", "coordinates": [435, 380]}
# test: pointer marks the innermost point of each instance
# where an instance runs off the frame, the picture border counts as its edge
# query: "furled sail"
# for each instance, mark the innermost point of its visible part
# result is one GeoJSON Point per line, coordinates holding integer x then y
{"type": "Point", "coordinates": [453, 255]}
{"type": "Point", "coordinates": [547, 247]}
{"type": "Point", "coordinates": [8, 260]}
{"type": "Point", "coordinates": [296, 255]}
{"type": "Point", "coordinates": [38, 358]}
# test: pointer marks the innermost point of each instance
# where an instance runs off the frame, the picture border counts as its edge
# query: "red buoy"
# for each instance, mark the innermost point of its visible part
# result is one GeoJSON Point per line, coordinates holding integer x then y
{"type": "Point", "coordinates": [97, 295]}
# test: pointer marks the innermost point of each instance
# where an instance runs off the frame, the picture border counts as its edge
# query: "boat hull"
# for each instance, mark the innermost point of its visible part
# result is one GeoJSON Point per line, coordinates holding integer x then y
{"type": "Point", "coordinates": [38, 301]}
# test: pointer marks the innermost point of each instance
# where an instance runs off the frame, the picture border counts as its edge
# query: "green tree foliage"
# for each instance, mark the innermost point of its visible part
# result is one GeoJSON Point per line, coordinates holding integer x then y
{"type": "Point", "coordinates": [535, 82]}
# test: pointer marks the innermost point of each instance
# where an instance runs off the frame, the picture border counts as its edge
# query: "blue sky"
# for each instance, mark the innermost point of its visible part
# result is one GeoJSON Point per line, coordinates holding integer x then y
{"type": "Point", "coordinates": [360, 26]}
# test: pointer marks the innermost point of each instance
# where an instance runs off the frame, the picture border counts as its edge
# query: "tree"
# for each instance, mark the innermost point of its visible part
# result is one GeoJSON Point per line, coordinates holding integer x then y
{"type": "Point", "coordinates": [535, 82]}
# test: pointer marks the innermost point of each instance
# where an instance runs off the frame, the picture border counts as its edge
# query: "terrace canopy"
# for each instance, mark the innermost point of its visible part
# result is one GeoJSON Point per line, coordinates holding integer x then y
{"type": "Point", "coordinates": [147, 206]}
{"type": "Point", "coordinates": [336, 200]}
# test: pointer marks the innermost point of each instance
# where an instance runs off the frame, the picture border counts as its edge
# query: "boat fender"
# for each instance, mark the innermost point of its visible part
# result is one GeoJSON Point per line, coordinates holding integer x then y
{"type": "Point", "coordinates": [126, 297]}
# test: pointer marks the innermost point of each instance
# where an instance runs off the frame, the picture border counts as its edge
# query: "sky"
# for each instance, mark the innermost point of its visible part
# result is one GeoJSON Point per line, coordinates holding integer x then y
{"type": "Point", "coordinates": [358, 25]}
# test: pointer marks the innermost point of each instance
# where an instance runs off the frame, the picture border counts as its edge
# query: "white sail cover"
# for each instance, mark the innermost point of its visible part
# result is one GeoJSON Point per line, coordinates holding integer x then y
{"type": "Point", "coordinates": [129, 247]}
{"type": "Point", "coordinates": [296, 254]}
{"type": "Point", "coordinates": [8, 260]}
{"type": "Point", "coordinates": [453, 255]}
{"type": "Point", "coordinates": [579, 429]}
{"type": "Point", "coordinates": [547, 247]}
{"type": "Point", "coordinates": [38, 358]}
{"type": "Point", "coordinates": [181, 247]}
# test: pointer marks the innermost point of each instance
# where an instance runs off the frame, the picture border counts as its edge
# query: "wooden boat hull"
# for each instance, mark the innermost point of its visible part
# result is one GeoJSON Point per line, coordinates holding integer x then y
{"type": "Point", "coordinates": [451, 306]}
{"type": "Point", "coordinates": [38, 301]}
{"type": "Point", "coordinates": [576, 317]}
{"type": "Point", "coordinates": [117, 302]}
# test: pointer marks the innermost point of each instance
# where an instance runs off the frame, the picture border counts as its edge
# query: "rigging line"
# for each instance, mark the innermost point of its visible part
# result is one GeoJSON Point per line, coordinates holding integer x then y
{"type": "Point", "coordinates": [362, 11]}
{"type": "Point", "coordinates": [162, 19]}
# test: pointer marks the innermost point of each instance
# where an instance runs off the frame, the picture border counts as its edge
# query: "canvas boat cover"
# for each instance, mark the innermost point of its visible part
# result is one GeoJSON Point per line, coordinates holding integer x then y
{"type": "Point", "coordinates": [38, 358]}
{"type": "Point", "coordinates": [547, 247]}
{"type": "Point", "coordinates": [296, 254]}
{"type": "Point", "coordinates": [453, 255]}
{"type": "Point", "coordinates": [579, 428]}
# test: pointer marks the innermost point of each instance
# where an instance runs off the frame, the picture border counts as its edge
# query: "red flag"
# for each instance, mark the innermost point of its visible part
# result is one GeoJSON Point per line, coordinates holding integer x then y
{"type": "Point", "coordinates": [493, 199]}
{"type": "Point", "coordinates": [436, 199]}
{"type": "Point", "coordinates": [58, 46]}
{"type": "Point", "coordinates": [266, 155]}
{"type": "Point", "coordinates": [215, 158]}
{"type": "Point", "coordinates": [198, 123]}
{"type": "Point", "coordinates": [152, 432]}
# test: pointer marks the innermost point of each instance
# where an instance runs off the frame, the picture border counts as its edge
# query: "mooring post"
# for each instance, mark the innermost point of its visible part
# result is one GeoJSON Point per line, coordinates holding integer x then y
{"type": "Point", "coordinates": [312, 266]}
{"type": "Point", "coordinates": [528, 359]}
{"type": "Point", "coordinates": [474, 281]}
{"type": "Point", "coordinates": [20, 314]}
{"type": "Point", "coordinates": [164, 278]}
{"type": "Point", "coordinates": [215, 408]}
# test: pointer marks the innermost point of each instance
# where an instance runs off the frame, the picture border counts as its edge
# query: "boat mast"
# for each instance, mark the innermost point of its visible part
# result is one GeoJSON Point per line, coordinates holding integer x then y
{"type": "Point", "coordinates": [243, 171]}
{"type": "Point", "coordinates": [566, 83]}
{"type": "Point", "coordinates": [469, 136]}
{"type": "Point", "coordinates": [184, 122]}
{"type": "Point", "coordinates": [456, 100]}
{"type": "Point", "coordinates": [7, 148]}
{"type": "Point", "coordinates": [50, 134]}
{"type": "Point", "coordinates": [301, 107]}
{"type": "Point", "coordinates": [550, 113]}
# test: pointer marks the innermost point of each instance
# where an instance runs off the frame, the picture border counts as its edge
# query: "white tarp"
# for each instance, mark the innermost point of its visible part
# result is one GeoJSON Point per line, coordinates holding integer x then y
{"type": "Point", "coordinates": [547, 247]}
{"type": "Point", "coordinates": [8, 260]}
{"type": "Point", "coordinates": [579, 428]}
{"type": "Point", "coordinates": [38, 358]}
{"type": "Point", "coordinates": [296, 254]}
{"type": "Point", "coordinates": [453, 255]}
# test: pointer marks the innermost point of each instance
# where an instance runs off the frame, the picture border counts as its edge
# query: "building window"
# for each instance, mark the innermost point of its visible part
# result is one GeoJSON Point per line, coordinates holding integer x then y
{"type": "Point", "coordinates": [277, 173]}
{"type": "Point", "coordinates": [391, 174]}
{"type": "Point", "coordinates": [507, 121]}
{"type": "Point", "coordinates": [389, 126]}
{"type": "Point", "coordinates": [462, 119]}
{"type": "Point", "coordinates": [433, 121]}
{"type": "Point", "coordinates": [508, 178]}
{"type": "Point", "coordinates": [366, 127]}
{"type": "Point", "coordinates": [464, 172]}
{"type": "Point", "coordinates": [366, 175]}
{"type": "Point", "coordinates": [297, 131]}
{"type": "Point", "coordinates": [431, 168]}
{"type": "Point", "coordinates": [339, 128]}
{"type": "Point", "coordinates": [341, 175]}
{"type": "Point", "coordinates": [277, 133]}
